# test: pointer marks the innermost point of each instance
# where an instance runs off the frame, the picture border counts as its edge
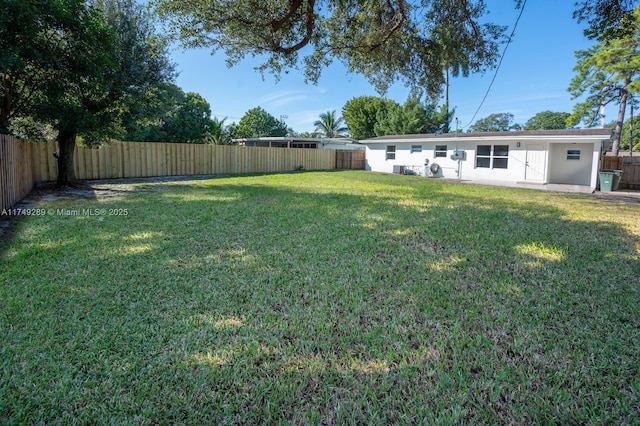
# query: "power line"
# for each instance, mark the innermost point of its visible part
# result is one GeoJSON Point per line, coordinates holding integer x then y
{"type": "Point", "coordinates": [524, 3]}
{"type": "Point", "coordinates": [225, 116]}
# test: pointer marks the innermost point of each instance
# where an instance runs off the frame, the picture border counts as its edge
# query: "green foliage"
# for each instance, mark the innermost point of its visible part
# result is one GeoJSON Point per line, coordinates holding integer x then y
{"type": "Point", "coordinates": [191, 121]}
{"type": "Point", "coordinates": [257, 123]}
{"type": "Point", "coordinates": [608, 72]}
{"type": "Point", "coordinates": [360, 115]}
{"type": "Point", "coordinates": [607, 19]}
{"type": "Point", "coordinates": [413, 117]}
{"type": "Point", "coordinates": [626, 134]}
{"type": "Point", "coordinates": [57, 64]}
{"type": "Point", "coordinates": [145, 119]}
{"type": "Point", "coordinates": [28, 128]}
{"type": "Point", "coordinates": [383, 40]}
{"type": "Point", "coordinates": [144, 65]}
{"type": "Point", "coordinates": [547, 120]}
{"type": "Point", "coordinates": [390, 120]}
{"type": "Point", "coordinates": [82, 93]}
{"type": "Point", "coordinates": [330, 126]}
{"type": "Point", "coordinates": [309, 135]}
{"type": "Point", "coordinates": [170, 115]}
{"type": "Point", "coordinates": [219, 132]}
{"type": "Point", "coordinates": [370, 116]}
{"type": "Point", "coordinates": [500, 122]}
{"type": "Point", "coordinates": [604, 72]}
{"type": "Point", "coordinates": [25, 50]}
{"type": "Point", "coordinates": [78, 66]}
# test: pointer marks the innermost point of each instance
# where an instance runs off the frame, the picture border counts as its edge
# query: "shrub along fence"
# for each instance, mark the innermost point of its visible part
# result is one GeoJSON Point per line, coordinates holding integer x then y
{"type": "Point", "coordinates": [23, 164]}
{"type": "Point", "coordinates": [630, 167]}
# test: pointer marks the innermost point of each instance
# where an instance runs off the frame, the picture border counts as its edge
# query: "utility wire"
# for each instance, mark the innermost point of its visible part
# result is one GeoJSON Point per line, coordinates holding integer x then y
{"type": "Point", "coordinates": [499, 63]}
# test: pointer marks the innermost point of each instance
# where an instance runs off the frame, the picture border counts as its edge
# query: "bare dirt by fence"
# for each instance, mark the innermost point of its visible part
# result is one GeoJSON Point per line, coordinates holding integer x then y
{"type": "Point", "coordinates": [23, 164]}
{"type": "Point", "coordinates": [630, 167]}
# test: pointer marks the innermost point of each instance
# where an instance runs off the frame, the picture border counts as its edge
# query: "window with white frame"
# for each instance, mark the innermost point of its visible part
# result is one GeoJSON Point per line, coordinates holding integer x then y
{"type": "Point", "coordinates": [492, 156]}
{"type": "Point", "coordinates": [416, 149]}
{"type": "Point", "coordinates": [573, 154]}
{"type": "Point", "coordinates": [391, 152]}
{"type": "Point", "coordinates": [440, 151]}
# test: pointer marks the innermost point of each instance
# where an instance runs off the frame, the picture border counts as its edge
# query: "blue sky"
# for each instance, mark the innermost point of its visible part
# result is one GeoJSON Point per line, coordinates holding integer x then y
{"type": "Point", "coordinates": [534, 76]}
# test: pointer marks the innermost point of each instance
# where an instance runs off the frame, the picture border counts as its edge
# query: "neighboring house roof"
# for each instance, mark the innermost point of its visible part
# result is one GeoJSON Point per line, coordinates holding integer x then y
{"type": "Point", "coordinates": [286, 141]}
{"type": "Point", "coordinates": [603, 133]}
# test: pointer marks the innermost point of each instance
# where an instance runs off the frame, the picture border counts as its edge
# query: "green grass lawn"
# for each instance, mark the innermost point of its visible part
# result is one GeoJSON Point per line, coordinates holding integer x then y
{"type": "Point", "coordinates": [323, 298]}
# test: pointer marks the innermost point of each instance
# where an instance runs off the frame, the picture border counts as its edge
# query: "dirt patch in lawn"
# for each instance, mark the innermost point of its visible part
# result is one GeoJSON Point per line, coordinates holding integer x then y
{"type": "Point", "coordinates": [626, 197]}
{"type": "Point", "coordinates": [87, 190]}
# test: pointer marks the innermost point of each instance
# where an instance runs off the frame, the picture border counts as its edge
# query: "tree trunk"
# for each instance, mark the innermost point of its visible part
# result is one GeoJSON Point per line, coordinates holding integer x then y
{"type": "Point", "coordinates": [66, 146]}
{"type": "Point", "coordinates": [617, 133]}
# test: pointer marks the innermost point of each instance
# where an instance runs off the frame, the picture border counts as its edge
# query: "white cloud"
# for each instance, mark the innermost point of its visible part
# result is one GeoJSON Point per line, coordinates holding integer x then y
{"type": "Point", "coordinates": [283, 97]}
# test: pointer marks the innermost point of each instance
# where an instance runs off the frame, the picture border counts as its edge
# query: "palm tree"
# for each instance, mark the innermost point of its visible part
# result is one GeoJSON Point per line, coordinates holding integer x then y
{"type": "Point", "coordinates": [219, 132]}
{"type": "Point", "coordinates": [330, 126]}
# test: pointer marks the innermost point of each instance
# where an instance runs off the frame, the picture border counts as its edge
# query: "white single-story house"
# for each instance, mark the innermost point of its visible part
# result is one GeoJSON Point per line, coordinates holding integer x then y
{"type": "Point", "coordinates": [295, 142]}
{"type": "Point", "coordinates": [569, 156]}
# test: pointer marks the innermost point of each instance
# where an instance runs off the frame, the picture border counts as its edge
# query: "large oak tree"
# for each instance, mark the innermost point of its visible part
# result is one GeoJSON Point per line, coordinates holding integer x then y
{"type": "Point", "coordinates": [384, 40]}
{"type": "Point", "coordinates": [76, 65]}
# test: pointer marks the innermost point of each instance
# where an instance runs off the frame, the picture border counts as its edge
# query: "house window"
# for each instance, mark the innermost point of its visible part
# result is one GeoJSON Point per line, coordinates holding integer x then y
{"type": "Point", "coordinates": [391, 152]}
{"type": "Point", "coordinates": [492, 156]}
{"type": "Point", "coordinates": [440, 151]}
{"type": "Point", "coordinates": [483, 156]}
{"type": "Point", "coordinates": [573, 154]}
{"type": "Point", "coordinates": [416, 148]}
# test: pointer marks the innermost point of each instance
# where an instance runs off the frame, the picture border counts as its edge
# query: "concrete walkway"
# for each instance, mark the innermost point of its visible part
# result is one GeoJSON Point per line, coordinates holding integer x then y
{"type": "Point", "coordinates": [579, 189]}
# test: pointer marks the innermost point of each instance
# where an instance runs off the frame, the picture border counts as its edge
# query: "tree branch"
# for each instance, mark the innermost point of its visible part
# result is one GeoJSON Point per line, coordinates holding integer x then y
{"type": "Point", "coordinates": [309, 27]}
{"type": "Point", "coordinates": [276, 25]}
{"type": "Point", "coordinates": [392, 30]}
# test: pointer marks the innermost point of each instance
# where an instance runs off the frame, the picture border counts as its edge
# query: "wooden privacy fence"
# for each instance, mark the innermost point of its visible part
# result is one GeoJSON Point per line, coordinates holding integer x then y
{"type": "Point", "coordinates": [23, 164]}
{"type": "Point", "coordinates": [19, 169]}
{"type": "Point", "coordinates": [351, 159]}
{"type": "Point", "coordinates": [146, 159]}
{"type": "Point", "coordinates": [630, 167]}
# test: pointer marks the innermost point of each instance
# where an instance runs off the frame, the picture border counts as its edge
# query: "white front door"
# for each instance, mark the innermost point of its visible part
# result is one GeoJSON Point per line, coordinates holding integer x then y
{"type": "Point", "coordinates": [535, 166]}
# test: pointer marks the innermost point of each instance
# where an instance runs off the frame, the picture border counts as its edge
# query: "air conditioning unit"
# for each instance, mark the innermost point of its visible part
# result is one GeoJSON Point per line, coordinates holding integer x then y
{"type": "Point", "coordinates": [434, 169]}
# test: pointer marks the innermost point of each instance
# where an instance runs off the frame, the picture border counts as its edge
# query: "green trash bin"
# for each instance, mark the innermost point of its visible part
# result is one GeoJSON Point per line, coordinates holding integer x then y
{"type": "Point", "coordinates": [616, 179]}
{"type": "Point", "coordinates": [606, 180]}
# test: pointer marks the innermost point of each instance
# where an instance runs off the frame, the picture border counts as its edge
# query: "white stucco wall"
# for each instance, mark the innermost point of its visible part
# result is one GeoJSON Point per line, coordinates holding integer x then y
{"type": "Point", "coordinates": [571, 171]}
{"type": "Point", "coordinates": [515, 165]}
{"type": "Point", "coordinates": [553, 165]}
{"type": "Point", "coordinates": [376, 157]}
{"type": "Point", "coordinates": [453, 169]}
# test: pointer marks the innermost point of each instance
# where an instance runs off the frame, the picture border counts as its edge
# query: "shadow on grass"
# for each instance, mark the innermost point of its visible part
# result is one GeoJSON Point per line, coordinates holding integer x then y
{"type": "Point", "coordinates": [334, 298]}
